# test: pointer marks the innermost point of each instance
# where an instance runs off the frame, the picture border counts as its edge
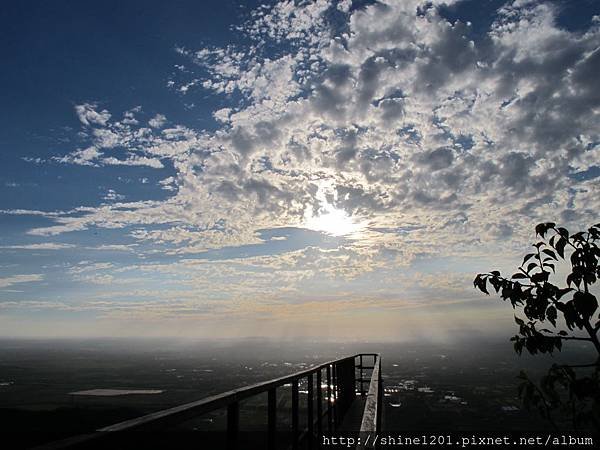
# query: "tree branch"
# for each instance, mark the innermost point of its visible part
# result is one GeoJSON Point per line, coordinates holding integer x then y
{"type": "Point", "coordinates": [500, 277]}
{"type": "Point", "coordinates": [588, 326]}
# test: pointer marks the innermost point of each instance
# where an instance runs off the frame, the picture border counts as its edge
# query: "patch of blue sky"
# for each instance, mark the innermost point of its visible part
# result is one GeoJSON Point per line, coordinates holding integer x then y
{"type": "Point", "coordinates": [277, 241]}
{"type": "Point", "coordinates": [61, 188]}
{"type": "Point", "coordinates": [589, 174]}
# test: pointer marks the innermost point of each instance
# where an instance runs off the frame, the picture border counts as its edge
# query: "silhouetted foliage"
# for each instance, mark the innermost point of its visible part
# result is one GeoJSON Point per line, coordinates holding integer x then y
{"type": "Point", "coordinates": [571, 389]}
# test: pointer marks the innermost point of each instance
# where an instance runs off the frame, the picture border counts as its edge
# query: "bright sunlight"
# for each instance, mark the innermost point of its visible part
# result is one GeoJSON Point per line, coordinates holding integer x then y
{"type": "Point", "coordinates": [333, 221]}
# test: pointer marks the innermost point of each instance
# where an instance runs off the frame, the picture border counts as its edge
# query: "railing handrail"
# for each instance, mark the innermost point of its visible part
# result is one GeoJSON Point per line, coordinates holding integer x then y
{"type": "Point", "coordinates": [371, 419]}
{"type": "Point", "coordinates": [181, 413]}
{"type": "Point", "coordinates": [220, 400]}
{"type": "Point", "coordinates": [213, 402]}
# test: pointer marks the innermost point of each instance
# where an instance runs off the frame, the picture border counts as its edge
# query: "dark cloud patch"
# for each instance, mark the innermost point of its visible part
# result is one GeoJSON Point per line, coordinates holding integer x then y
{"type": "Point", "coordinates": [368, 79]}
{"type": "Point", "coordinates": [502, 230]}
{"type": "Point", "coordinates": [329, 101]}
{"type": "Point", "coordinates": [338, 74]}
{"type": "Point", "coordinates": [391, 109]}
{"type": "Point", "coordinates": [451, 54]}
{"type": "Point", "coordinates": [514, 170]}
{"type": "Point", "coordinates": [438, 159]}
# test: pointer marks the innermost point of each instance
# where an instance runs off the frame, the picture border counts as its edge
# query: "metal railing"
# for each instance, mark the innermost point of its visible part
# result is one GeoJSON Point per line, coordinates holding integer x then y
{"type": "Point", "coordinates": [340, 391]}
{"type": "Point", "coordinates": [371, 419]}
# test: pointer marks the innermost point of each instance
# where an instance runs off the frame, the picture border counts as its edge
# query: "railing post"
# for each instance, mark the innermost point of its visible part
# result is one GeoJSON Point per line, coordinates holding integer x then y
{"type": "Point", "coordinates": [345, 375]}
{"type": "Point", "coordinates": [380, 395]}
{"type": "Point", "coordinates": [334, 375]}
{"type": "Point", "coordinates": [295, 414]}
{"type": "Point", "coordinates": [272, 418]}
{"type": "Point", "coordinates": [233, 424]}
{"type": "Point", "coordinates": [310, 410]}
{"type": "Point", "coordinates": [319, 405]}
{"type": "Point", "coordinates": [329, 401]}
{"type": "Point", "coordinates": [362, 389]}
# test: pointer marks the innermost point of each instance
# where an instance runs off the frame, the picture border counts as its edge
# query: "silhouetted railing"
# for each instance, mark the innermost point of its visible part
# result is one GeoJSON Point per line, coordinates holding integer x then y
{"type": "Point", "coordinates": [339, 391]}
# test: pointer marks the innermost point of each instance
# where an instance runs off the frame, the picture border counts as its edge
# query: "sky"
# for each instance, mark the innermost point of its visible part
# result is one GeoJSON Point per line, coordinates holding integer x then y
{"type": "Point", "coordinates": [311, 169]}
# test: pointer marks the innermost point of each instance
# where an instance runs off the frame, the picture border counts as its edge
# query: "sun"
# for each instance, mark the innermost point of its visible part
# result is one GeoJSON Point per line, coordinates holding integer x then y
{"type": "Point", "coordinates": [333, 221]}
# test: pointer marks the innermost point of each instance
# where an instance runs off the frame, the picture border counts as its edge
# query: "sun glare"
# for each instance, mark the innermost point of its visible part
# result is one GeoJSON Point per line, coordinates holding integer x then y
{"type": "Point", "coordinates": [334, 222]}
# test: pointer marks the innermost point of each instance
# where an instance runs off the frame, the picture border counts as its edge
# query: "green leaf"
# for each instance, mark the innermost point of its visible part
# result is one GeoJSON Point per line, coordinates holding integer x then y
{"type": "Point", "coordinates": [585, 303]}
{"type": "Point", "coordinates": [540, 277]}
{"type": "Point", "coordinates": [551, 315]}
{"type": "Point", "coordinates": [561, 292]}
{"type": "Point", "coordinates": [519, 321]}
{"type": "Point", "coordinates": [560, 247]}
{"type": "Point", "coordinates": [540, 229]}
{"type": "Point", "coordinates": [527, 257]}
{"type": "Point", "coordinates": [480, 283]}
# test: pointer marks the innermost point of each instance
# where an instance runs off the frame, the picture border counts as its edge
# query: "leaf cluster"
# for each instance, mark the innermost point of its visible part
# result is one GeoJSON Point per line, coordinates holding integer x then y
{"type": "Point", "coordinates": [563, 390]}
{"type": "Point", "coordinates": [541, 301]}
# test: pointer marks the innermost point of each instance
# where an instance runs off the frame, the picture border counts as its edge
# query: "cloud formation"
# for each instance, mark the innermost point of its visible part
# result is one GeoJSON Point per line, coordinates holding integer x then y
{"type": "Point", "coordinates": [16, 279]}
{"type": "Point", "coordinates": [440, 139]}
{"type": "Point", "coordinates": [393, 111]}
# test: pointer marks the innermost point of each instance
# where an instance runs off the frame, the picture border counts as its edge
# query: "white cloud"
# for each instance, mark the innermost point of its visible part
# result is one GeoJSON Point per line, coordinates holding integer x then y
{"type": "Point", "coordinates": [41, 246]}
{"type": "Point", "coordinates": [114, 247]}
{"type": "Point", "coordinates": [397, 115]}
{"type": "Point", "coordinates": [168, 184]}
{"type": "Point", "coordinates": [85, 266]}
{"type": "Point", "coordinates": [85, 157]}
{"type": "Point", "coordinates": [158, 121]}
{"type": "Point", "coordinates": [16, 279]}
{"type": "Point", "coordinates": [88, 114]}
{"type": "Point", "coordinates": [111, 195]}
{"type": "Point", "coordinates": [155, 163]}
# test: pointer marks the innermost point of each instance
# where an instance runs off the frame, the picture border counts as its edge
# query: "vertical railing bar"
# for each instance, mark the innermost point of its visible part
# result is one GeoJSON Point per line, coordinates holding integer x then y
{"type": "Point", "coordinates": [380, 397]}
{"type": "Point", "coordinates": [233, 424]}
{"type": "Point", "coordinates": [319, 404]}
{"type": "Point", "coordinates": [310, 409]}
{"type": "Point", "coordinates": [272, 418]}
{"type": "Point", "coordinates": [329, 401]}
{"type": "Point", "coordinates": [335, 394]}
{"type": "Point", "coordinates": [295, 414]}
{"type": "Point", "coordinates": [362, 390]}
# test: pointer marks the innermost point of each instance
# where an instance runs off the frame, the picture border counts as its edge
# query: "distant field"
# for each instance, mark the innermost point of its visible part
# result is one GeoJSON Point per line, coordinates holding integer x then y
{"type": "Point", "coordinates": [116, 392]}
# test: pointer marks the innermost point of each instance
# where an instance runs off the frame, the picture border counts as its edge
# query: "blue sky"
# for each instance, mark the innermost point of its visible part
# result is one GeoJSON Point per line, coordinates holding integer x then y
{"type": "Point", "coordinates": [238, 168]}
